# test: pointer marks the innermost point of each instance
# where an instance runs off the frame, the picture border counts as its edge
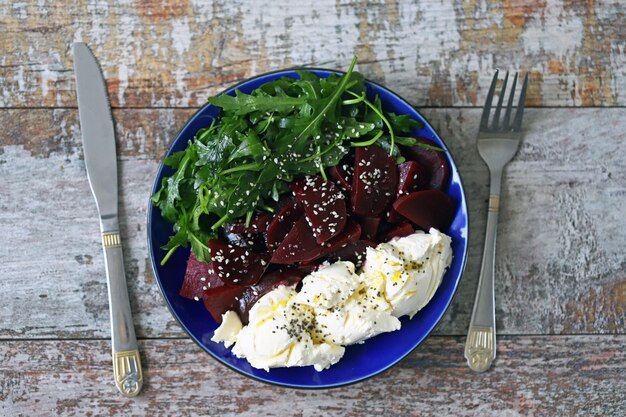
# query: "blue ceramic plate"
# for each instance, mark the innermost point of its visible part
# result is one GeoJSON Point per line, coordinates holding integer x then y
{"type": "Point", "coordinates": [360, 361]}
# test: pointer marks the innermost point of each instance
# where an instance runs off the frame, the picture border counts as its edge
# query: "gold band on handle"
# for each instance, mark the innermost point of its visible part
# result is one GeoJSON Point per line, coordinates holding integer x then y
{"type": "Point", "coordinates": [111, 239]}
{"type": "Point", "coordinates": [494, 202]}
{"type": "Point", "coordinates": [480, 349]}
{"type": "Point", "coordinates": [127, 371]}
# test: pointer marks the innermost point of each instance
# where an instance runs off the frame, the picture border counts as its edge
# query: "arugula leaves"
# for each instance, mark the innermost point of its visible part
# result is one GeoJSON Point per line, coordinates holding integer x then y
{"type": "Point", "coordinates": [243, 162]}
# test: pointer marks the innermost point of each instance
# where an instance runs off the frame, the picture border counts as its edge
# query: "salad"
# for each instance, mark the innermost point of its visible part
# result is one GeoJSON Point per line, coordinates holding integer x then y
{"type": "Point", "coordinates": [291, 178]}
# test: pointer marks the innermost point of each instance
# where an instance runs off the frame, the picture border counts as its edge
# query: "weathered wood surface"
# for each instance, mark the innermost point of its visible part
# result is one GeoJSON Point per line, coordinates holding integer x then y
{"type": "Point", "coordinates": [561, 261]}
{"type": "Point", "coordinates": [532, 376]}
{"type": "Point", "coordinates": [175, 53]}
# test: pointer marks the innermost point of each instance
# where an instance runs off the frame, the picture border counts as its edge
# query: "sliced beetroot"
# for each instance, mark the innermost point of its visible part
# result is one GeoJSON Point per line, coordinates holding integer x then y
{"type": "Point", "coordinates": [254, 241]}
{"type": "Point", "coordinates": [434, 161]}
{"type": "Point", "coordinates": [400, 230]}
{"type": "Point", "coordinates": [324, 206]}
{"type": "Point", "coordinates": [354, 252]}
{"type": "Point", "coordinates": [282, 223]}
{"type": "Point", "coordinates": [375, 181]}
{"type": "Point", "coordinates": [283, 276]}
{"type": "Point", "coordinates": [258, 224]}
{"type": "Point", "coordinates": [298, 246]}
{"type": "Point", "coordinates": [237, 265]}
{"type": "Point", "coordinates": [369, 227]}
{"type": "Point", "coordinates": [307, 267]}
{"type": "Point", "coordinates": [199, 276]}
{"type": "Point", "coordinates": [426, 209]}
{"type": "Point", "coordinates": [412, 177]}
{"type": "Point", "coordinates": [350, 234]}
{"type": "Point", "coordinates": [342, 175]}
{"type": "Point", "coordinates": [392, 216]}
{"type": "Point", "coordinates": [219, 300]}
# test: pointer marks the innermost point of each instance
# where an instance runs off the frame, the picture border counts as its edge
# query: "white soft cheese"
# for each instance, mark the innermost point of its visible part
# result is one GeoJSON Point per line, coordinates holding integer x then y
{"type": "Point", "coordinates": [345, 310]}
{"type": "Point", "coordinates": [337, 307]}
{"type": "Point", "coordinates": [278, 335]}
{"type": "Point", "coordinates": [229, 329]}
{"type": "Point", "coordinates": [412, 268]}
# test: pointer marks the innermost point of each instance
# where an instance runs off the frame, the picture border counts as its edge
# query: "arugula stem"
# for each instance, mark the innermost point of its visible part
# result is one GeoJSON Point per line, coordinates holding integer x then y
{"type": "Point", "coordinates": [382, 116]}
{"type": "Point", "coordinates": [220, 222]}
{"type": "Point", "coordinates": [169, 254]}
{"type": "Point", "coordinates": [266, 208]}
{"type": "Point", "coordinates": [368, 142]}
{"type": "Point", "coordinates": [353, 100]}
{"type": "Point", "coordinates": [251, 166]}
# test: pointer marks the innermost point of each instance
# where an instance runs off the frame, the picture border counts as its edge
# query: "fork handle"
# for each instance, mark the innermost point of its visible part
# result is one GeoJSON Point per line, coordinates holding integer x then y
{"type": "Point", "coordinates": [480, 347]}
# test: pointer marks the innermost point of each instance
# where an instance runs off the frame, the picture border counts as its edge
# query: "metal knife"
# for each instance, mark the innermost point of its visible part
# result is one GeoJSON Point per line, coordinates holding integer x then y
{"type": "Point", "coordinates": [96, 126]}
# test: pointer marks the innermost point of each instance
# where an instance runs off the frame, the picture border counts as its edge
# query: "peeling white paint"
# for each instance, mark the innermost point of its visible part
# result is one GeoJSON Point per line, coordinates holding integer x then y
{"type": "Point", "coordinates": [181, 35]}
{"type": "Point", "coordinates": [556, 31]}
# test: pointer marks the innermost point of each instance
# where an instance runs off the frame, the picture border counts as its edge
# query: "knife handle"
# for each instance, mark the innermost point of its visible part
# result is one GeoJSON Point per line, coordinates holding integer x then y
{"type": "Point", "coordinates": [126, 361]}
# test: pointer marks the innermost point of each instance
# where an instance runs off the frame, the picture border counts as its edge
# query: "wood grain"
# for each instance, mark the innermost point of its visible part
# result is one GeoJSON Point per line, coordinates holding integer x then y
{"type": "Point", "coordinates": [561, 264]}
{"type": "Point", "coordinates": [533, 376]}
{"type": "Point", "coordinates": [436, 53]}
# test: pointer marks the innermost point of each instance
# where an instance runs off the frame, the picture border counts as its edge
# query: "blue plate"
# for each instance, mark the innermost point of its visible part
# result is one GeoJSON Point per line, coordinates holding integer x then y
{"type": "Point", "coordinates": [360, 361]}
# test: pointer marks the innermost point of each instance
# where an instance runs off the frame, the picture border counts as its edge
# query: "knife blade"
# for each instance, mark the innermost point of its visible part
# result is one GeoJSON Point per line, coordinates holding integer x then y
{"type": "Point", "coordinates": [96, 124]}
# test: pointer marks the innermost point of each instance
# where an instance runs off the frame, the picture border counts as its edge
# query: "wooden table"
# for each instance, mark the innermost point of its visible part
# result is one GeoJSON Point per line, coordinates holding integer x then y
{"type": "Point", "coordinates": [561, 264]}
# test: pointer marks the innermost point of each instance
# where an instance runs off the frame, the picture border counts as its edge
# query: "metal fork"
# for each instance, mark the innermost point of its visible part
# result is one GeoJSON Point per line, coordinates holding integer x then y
{"type": "Point", "coordinates": [497, 144]}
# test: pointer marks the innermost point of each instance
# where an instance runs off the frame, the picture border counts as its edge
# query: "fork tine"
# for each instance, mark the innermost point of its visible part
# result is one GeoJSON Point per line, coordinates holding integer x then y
{"type": "Point", "coordinates": [509, 107]}
{"type": "Point", "coordinates": [517, 124]}
{"type": "Point", "coordinates": [496, 117]}
{"type": "Point", "coordinates": [484, 120]}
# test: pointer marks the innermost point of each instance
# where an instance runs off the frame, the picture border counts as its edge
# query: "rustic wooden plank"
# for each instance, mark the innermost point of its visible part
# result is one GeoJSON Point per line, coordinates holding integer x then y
{"type": "Point", "coordinates": [438, 53]}
{"type": "Point", "coordinates": [560, 245]}
{"type": "Point", "coordinates": [532, 376]}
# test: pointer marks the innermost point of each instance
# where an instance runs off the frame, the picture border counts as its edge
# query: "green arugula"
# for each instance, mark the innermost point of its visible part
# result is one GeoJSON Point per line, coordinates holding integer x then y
{"type": "Point", "coordinates": [243, 162]}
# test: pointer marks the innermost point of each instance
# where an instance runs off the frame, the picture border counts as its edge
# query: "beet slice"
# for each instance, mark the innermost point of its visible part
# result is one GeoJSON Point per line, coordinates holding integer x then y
{"type": "Point", "coordinates": [426, 209]}
{"type": "Point", "coordinates": [392, 216]}
{"type": "Point", "coordinates": [237, 265]}
{"type": "Point", "coordinates": [369, 227]}
{"type": "Point", "coordinates": [412, 177]}
{"type": "Point", "coordinates": [258, 224]}
{"type": "Point", "coordinates": [374, 185]}
{"type": "Point", "coordinates": [354, 252]}
{"type": "Point", "coordinates": [282, 223]}
{"type": "Point", "coordinates": [283, 276]}
{"type": "Point", "coordinates": [219, 300]}
{"type": "Point", "coordinates": [350, 234]}
{"type": "Point", "coordinates": [298, 246]}
{"type": "Point", "coordinates": [198, 276]}
{"type": "Point", "coordinates": [435, 162]}
{"type": "Point", "coordinates": [324, 206]}
{"type": "Point", "coordinates": [342, 175]}
{"type": "Point", "coordinates": [400, 230]}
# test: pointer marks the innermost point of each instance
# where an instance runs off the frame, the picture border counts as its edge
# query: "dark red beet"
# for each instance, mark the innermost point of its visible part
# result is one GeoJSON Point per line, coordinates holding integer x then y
{"type": "Point", "coordinates": [237, 265]}
{"type": "Point", "coordinates": [342, 175]}
{"type": "Point", "coordinates": [298, 246]}
{"type": "Point", "coordinates": [324, 206]}
{"type": "Point", "coordinates": [282, 223]}
{"type": "Point", "coordinates": [271, 280]}
{"type": "Point", "coordinates": [219, 300]}
{"type": "Point", "coordinates": [412, 177]}
{"type": "Point", "coordinates": [354, 252]}
{"type": "Point", "coordinates": [369, 227]}
{"type": "Point", "coordinates": [426, 209]}
{"type": "Point", "coordinates": [403, 229]}
{"type": "Point", "coordinates": [199, 275]}
{"type": "Point", "coordinates": [392, 216]}
{"type": "Point", "coordinates": [375, 181]}
{"type": "Point", "coordinates": [258, 224]}
{"type": "Point", "coordinates": [350, 234]}
{"type": "Point", "coordinates": [435, 163]}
